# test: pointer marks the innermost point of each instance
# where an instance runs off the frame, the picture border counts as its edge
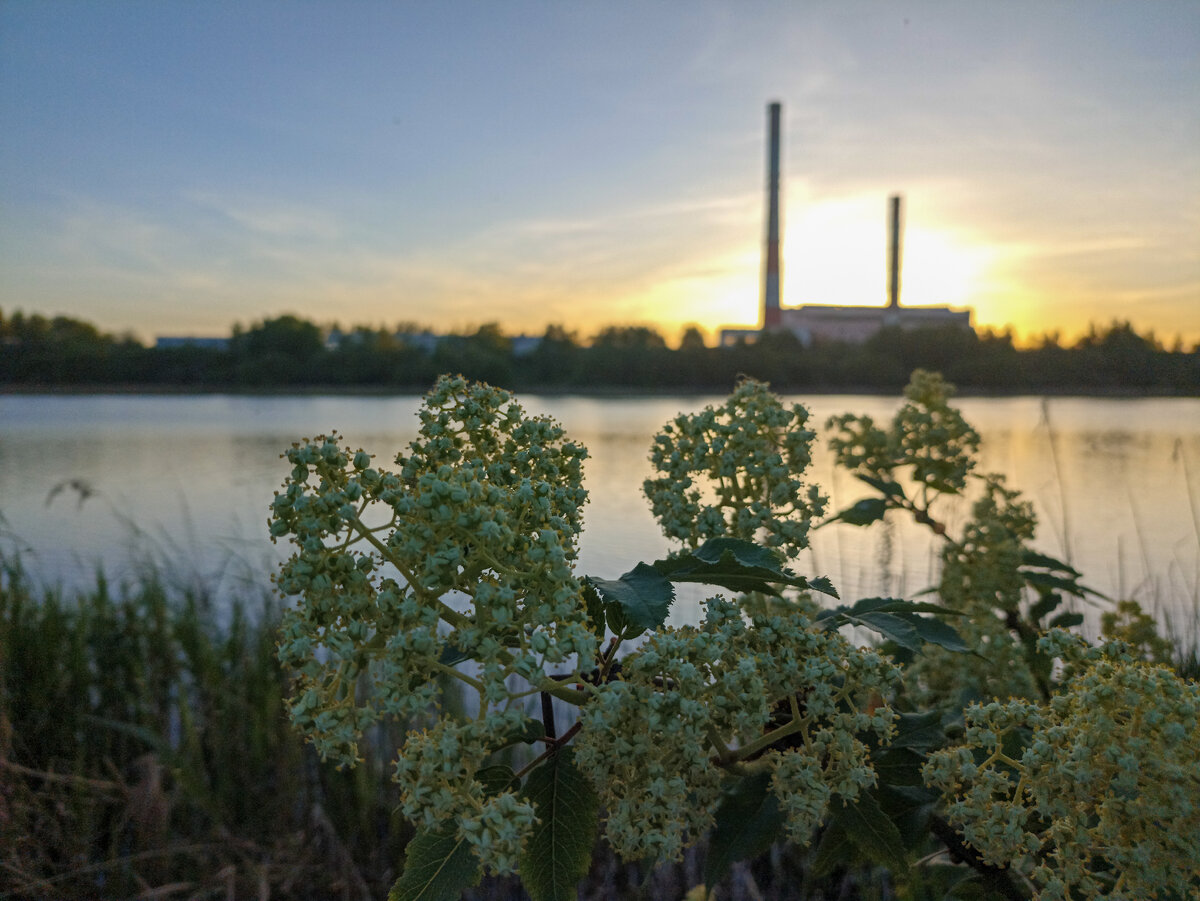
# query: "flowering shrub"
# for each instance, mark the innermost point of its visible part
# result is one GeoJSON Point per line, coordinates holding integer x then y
{"type": "Point", "coordinates": [1102, 799]}
{"type": "Point", "coordinates": [736, 470]}
{"type": "Point", "coordinates": [470, 559]}
{"type": "Point", "coordinates": [443, 592]}
{"type": "Point", "coordinates": [694, 700]}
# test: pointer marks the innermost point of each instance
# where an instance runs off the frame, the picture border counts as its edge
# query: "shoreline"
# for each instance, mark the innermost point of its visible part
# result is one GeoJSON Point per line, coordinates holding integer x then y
{"type": "Point", "coordinates": [600, 391]}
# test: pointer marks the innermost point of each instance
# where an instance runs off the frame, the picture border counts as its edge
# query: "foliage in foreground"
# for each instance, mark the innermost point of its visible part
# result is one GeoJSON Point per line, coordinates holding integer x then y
{"type": "Point", "coordinates": [143, 745]}
{"type": "Point", "coordinates": [762, 723]}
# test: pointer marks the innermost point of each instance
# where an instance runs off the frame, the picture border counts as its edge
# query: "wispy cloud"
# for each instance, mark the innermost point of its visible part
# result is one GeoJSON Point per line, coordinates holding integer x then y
{"type": "Point", "coordinates": [270, 217]}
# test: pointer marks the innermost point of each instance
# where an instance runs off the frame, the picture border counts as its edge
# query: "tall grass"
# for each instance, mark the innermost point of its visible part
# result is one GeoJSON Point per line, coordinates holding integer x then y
{"type": "Point", "coordinates": [145, 751]}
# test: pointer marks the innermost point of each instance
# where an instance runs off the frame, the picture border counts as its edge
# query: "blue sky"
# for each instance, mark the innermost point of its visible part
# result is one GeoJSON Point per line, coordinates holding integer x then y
{"type": "Point", "coordinates": [175, 167]}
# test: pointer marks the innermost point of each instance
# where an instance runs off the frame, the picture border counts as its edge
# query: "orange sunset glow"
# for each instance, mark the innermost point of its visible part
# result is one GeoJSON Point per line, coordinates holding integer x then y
{"type": "Point", "coordinates": [452, 165]}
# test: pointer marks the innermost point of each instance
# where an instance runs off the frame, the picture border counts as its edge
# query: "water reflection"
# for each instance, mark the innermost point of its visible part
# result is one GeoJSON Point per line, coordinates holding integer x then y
{"type": "Point", "coordinates": [187, 481]}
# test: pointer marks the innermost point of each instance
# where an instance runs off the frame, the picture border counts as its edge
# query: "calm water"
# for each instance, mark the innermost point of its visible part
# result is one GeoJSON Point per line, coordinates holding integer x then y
{"type": "Point", "coordinates": [187, 480]}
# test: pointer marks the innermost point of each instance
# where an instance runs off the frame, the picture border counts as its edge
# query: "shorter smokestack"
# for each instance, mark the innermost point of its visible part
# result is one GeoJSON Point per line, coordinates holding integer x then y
{"type": "Point", "coordinates": [893, 256]}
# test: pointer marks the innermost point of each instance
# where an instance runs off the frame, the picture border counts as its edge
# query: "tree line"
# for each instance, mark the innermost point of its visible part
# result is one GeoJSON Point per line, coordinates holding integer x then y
{"type": "Point", "coordinates": [290, 352]}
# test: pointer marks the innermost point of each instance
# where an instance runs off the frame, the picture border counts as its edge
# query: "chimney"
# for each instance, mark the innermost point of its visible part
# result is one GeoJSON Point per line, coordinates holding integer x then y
{"type": "Point", "coordinates": [893, 255]}
{"type": "Point", "coordinates": [772, 317]}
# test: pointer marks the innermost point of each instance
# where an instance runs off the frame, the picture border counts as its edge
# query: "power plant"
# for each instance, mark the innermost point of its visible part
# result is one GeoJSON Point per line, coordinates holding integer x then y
{"type": "Point", "coordinates": [814, 322]}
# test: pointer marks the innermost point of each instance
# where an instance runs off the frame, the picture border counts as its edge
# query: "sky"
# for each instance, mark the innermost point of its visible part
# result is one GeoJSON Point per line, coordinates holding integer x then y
{"type": "Point", "coordinates": [174, 168]}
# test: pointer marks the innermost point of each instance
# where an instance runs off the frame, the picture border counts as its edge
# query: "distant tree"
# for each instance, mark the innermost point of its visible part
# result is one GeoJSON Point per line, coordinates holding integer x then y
{"type": "Point", "coordinates": [554, 362]}
{"type": "Point", "coordinates": [629, 337]}
{"type": "Point", "coordinates": [630, 356]}
{"type": "Point", "coordinates": [693, 339]}
{"type": "Point", "coordinates": [484, 355]}
{"type": "Point", "coordinates": [279, 351]}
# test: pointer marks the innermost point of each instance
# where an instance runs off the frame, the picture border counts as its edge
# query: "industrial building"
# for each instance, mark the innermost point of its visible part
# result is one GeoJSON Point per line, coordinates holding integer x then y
{"type": "Point", "coordinates": [814, 322]}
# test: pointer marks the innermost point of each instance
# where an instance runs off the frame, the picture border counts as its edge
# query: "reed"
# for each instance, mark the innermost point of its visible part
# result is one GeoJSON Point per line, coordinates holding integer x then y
{"type": "Point", "coordinates": [145, 751]}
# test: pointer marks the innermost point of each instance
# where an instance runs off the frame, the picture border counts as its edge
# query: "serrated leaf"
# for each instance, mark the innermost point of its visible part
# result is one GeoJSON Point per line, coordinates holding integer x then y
{"type": "Point", "coordinates": [908, 807]}
{"type": "Point", "coordinates": [833, 850]}
{"type": "Point", "coordinates": [919, 731]}
{"type": "Point", "coordinates": [451, 655]}
{"type": "Point", "coordinates": [898, 605]}
{"type": "Point", "coordinates": [595, 607]}
{"type": "Point", "coordinates": [899, 766]}
{"type": "Point", "coordinates": [863, 513]}
{"type": "Point", "coordinates": [526, 733]}
{"type": "Point", "coordinates": [1044, 606]}
{"type": "Point", "coordinates": [559, 851]}
{"type": "Point", "coordinates": [823, 585]}
{"type": "Point", "coordinates": [934, 631]}
{"type": "Point", "coordinates": [643, 594]}
{"type": "Point", "coordinates": [438, 865]}
{"type": "Point", "coordinates": [738, 565]}
{"type": "Point", "coordinates": [1040, 579]}
{"type": "Point", "coordinates": [890, 626]}
{"type": "Point", "coordinates": [748, 821]}
{"type": "Point", "coordinates": [1033, 558]}
{"type": "Point", "coordinates": [891, 489]}
{"type": "Point", "coordinates": [745, 553]}
{"type": "Point", "coordinates": [1066, 620]}
{"type": "Point", "coordinates": [871, 831]}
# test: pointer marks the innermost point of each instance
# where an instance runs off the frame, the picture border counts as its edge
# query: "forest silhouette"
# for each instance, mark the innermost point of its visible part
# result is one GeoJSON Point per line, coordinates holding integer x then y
{"type": "Point", "coordinates": [291, 353]}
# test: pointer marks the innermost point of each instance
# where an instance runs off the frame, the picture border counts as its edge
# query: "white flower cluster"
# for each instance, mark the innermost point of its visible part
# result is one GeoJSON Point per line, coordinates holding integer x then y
{"type": "Point", "coordinates": [437, 773]}
{"type": "Point", "coordinates": [927, 435]}
{"type": "Point", "coordinates": [981, 579]}
{"type": "Point", "coordinates": [929, 451]}
{"type": "Point", "coordinates": [693, 700]}
{"type": "Point", "coordinates": [735, 471]}
{"type": "Point", "coordinates": [1101, 798]}
{"type": "Point", "coordinates": [465, 552]}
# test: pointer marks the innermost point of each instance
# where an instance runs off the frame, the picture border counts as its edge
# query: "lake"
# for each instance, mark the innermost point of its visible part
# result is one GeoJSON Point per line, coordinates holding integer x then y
{"type": "Point", "coordinates": [185, 481]}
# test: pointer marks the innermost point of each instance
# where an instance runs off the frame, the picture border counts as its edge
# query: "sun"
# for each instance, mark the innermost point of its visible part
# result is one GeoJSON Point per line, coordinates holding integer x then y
{"type": "Point", "coordinates": [835, 252]}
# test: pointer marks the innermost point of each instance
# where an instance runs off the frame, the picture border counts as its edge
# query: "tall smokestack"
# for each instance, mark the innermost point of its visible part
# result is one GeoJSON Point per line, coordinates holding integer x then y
{"type": "Point", "coordinates": [893, 256]}
{"type": "Point", "coordinates": [772, 317]}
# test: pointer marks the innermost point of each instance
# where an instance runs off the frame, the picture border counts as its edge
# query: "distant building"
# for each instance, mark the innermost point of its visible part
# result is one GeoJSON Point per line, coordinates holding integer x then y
{"type": "Point", "coordinates": [814, 322]}
{"type": "Point", "coordinates": [425, 341]}
{"type": "Point", "coordinates": [172, 341]}
{"type": "Point", "coordinates": [524, 345]}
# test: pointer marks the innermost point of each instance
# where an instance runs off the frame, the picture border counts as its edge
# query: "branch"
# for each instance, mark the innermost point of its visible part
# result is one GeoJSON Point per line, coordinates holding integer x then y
{"type": "Point", "coordinates": [998, 879]}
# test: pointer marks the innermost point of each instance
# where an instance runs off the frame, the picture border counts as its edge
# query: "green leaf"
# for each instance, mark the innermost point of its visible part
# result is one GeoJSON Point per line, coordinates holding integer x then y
{"type": "Point", "coordinates": [871, 832]}
{"type": "Point", "coordinates": [1066, 620]}
{"type": "Point", "coordinates": [823, 585]}
{"type": "Point", "coordinates": [595, 607]}
{"type": "Point", "coordinates": [898, 605]}
{"type": "Point", "coordinates": [919, 731]}
{"type": "Point", "coordinates": [865, 512]}
{"type": "Point", "coordinates": [833, 850]}
{"type": "Point", "coordinates": [1044, 606]}
{"type": "Point", "coordinates": [890, 626]}
{"type": "Point", "coordinates": [899, 766]}
{"type": "Point", "coordinates": [438, 865]}
{"type": "Point", "coordinates": [1033, 558]}
{"type": "Point", "coordinates": [897, 621]}
{"type": "Point", "coordinates": [529, 731]}
{"type": "Point", "coordinates": [1039, 579]}
{"type": "Point", "coordinates": [745, 553]}
{"type": "Point", "coordinates": [747, 823]}
{"type": "Point", "coordinates": [451, 655]}
{"type": "Point", "coordinates": [934, 631]}
{"type": "Point", "coordinates": [891, 489]}
{"type": "Point", "coordinates": [738, 565]}
{"type": "Point", "coordinates": [560, 849]}
{"type": "Point", "coordinates": [643, 595]}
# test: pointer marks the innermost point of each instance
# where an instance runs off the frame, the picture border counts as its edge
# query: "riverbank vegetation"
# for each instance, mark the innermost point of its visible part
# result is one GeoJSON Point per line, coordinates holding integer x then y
{"type": "Point", "coordinates": [438, 643]}
{"type": "Point", "coordinates": [291, 353]}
